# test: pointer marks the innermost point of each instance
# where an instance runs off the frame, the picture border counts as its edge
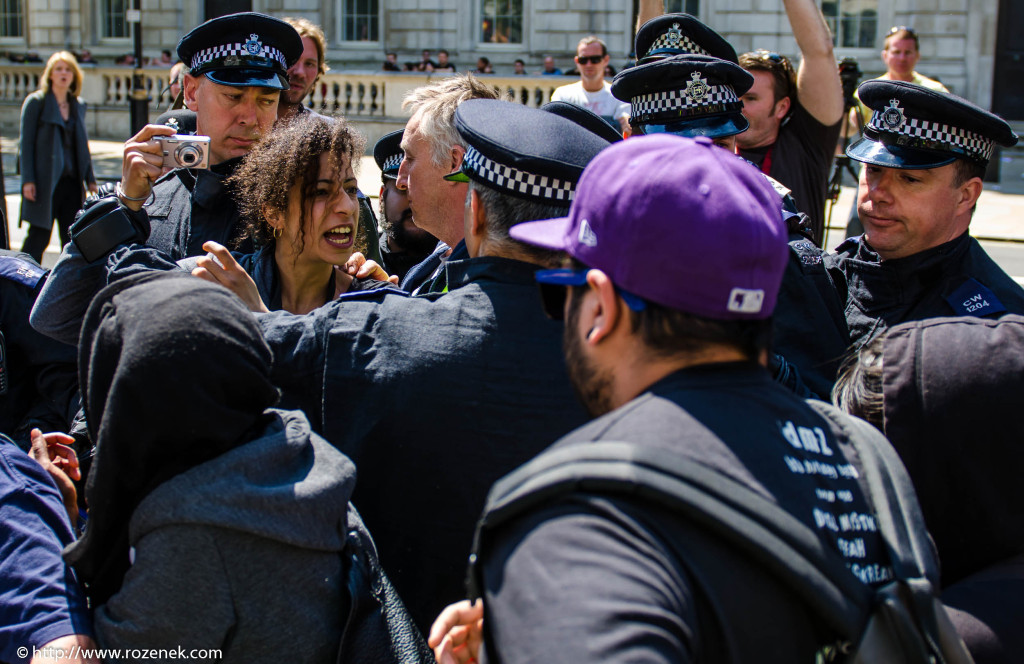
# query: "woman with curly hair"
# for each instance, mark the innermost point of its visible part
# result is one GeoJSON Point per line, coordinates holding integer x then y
{"type": "Point", "coordinates": [297, 195]}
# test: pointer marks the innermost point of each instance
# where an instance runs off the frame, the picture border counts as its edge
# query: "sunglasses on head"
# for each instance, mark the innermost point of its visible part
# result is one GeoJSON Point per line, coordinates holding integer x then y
{"type": "Point", "coordinates": [554, 285]}
{"type": "Point", "coordinates": [589, 59]}
{"type": "Point", "coordinates": [902, 28]}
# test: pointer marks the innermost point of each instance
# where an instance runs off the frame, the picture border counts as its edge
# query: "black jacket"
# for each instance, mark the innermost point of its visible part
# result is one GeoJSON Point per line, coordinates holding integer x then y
{"type": "Point", "coordinates": [600, 578]}
{"type": "Point", "coordinates": [191, 206]}
{"type": "Point", "coordinates": [953, 279]}
{"type": "Point", "coordinates": [434, 398]}
{"type": "Point", "coordinates": [41, 373]}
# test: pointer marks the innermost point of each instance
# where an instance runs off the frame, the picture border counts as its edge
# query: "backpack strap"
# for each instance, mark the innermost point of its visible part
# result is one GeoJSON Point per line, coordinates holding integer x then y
{"type": "Point", "coordinates": [903, 529]}
{"type": "Point", "coordinates": [753, 524]}
{"type": "Point", "coordinates": [892, 496]}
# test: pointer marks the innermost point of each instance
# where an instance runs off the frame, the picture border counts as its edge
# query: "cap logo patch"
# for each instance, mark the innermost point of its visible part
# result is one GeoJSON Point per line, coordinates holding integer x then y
{"type": "Point", "coordinates": [673, 37]}
{"type": "Point", "coordinates": [253, 46]}
{"type": "Point", "coordinates": [892, 116]}
{"type": "Point", "coordinates": [587, 236]}
{"type": "Point", "coordinates": [173, 124]}
{"type": "Point", "coordinates": [746, 301]}
{"type": "Point", "coordinates": [697, 88]}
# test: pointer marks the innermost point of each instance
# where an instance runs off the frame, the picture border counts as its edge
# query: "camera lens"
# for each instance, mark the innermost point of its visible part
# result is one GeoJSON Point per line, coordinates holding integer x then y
{"type": "Point", "coordinates": [188, 155]}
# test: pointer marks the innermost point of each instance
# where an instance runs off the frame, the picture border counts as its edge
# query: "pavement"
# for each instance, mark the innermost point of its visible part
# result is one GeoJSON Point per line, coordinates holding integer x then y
{"type": "Point", "coordinates": [999, 217]}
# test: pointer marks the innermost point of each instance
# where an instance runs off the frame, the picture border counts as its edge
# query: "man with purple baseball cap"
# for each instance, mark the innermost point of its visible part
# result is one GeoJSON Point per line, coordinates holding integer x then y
{"type": "Point", "coordinates": [665, 343]}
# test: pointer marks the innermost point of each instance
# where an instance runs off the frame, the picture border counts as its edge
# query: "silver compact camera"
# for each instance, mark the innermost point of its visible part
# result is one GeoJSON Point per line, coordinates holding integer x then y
{"type": "Point", "coordinates": [184, 151]}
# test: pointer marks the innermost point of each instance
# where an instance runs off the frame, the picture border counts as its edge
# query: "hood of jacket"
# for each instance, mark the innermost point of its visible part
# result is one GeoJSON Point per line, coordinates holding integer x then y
{"type": "Point", "coordinates": [288, 484]}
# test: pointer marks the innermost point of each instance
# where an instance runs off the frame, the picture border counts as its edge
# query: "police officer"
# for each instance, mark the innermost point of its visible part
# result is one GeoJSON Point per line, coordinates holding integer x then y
{"type": "Point", "coordinates": [402, 243]}
{"type": "Point", "coordinates": [238, 66]}
{"type": "Point", "coordinates": [925, 154]}
{"type": "Point", "coordinates": [699, 95]}
{"type": "Point", "coordinates": [420, 391]}
{"type": "Point", "coordinates": [38, 376]}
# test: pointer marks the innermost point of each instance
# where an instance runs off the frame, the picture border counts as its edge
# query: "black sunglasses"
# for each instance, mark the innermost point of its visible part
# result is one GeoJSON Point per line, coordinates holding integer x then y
{"type": "Point", "coordinates": [589, 59]}
{"type": "Point", "coordinates": [554, 290]}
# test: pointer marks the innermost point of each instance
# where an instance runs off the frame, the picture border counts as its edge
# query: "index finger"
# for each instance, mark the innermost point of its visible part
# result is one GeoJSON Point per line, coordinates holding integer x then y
{"type": "Point", "coordinates": [453, 615]}
{"type": "Point", "coordinates": [149, 131]}
{"type": "Point", "coordinates": [221, 253]}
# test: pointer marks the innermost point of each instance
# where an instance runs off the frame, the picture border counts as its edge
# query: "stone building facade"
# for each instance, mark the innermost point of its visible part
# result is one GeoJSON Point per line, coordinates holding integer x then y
{"type": "Point", "coordinates": [958, 37]}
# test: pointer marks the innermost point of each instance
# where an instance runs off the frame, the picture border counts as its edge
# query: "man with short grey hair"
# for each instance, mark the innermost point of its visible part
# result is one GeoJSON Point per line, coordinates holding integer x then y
{"type": "Point", "coordinates": [433, 149]}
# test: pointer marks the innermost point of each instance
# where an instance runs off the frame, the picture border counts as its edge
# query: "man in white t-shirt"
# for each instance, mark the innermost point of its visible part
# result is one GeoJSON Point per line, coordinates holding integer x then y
{"type": "Point", "coordinates": [593, 92]}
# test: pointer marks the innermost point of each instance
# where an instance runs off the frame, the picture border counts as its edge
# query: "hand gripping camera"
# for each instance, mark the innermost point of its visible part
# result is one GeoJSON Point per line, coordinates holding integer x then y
{"type": "Point", "coordinates": [183, 151]}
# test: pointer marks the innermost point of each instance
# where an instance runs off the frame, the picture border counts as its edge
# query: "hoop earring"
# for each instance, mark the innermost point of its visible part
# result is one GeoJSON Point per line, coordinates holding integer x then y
{"type": "Point", "coordinates": [277, 232]}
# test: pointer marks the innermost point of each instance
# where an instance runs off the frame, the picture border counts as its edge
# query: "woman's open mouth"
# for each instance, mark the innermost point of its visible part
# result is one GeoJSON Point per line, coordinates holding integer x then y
{"type": "Point", "coordinates": [341, 237]}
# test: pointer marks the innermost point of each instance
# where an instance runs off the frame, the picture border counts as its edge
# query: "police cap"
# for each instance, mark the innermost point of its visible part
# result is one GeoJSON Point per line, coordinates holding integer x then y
{"type": "Point", "coordinates": [679, 34]}
{"type": "Point", "coordinates": [244, 49]}
{"type": "Point", "coordinates": [585, 118]}
{"type": "Point", "coordinates": [388, 154]}
{"type": "Point", "coordinates": [523, 152]}
{"type": "Point", "coordinates": [914, 127]}
{"type": "Point", "coordinates": [687, 95]}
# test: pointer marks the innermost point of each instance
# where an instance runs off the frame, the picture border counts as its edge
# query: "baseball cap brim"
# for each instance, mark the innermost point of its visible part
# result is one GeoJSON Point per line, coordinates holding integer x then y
{"type": "Point", "coordinates": [887, 155]}
{"type": "Point", "coordinates": [545, 233]}
{"type": "Point", "coordinates": [243, 78]}
{"type": "Point", "coordinates": [715, 127]}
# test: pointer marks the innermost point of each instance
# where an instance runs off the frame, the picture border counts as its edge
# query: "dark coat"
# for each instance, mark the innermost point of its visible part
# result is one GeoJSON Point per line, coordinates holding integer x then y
{"type": "Point", "coordinates": [434, 398]}
{"type": "Point", "coordinates": [953, 279]}
{"type": "Point", "coordinates": [42, 157]}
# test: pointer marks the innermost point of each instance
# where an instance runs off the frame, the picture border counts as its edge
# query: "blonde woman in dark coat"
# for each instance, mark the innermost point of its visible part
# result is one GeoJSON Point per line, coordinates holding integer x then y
{"type": "Point", "coordinates": [55, 156]}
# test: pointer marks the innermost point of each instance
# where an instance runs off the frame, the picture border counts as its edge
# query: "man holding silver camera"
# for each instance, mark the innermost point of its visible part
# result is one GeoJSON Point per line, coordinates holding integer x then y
{"type": "Point", "coordinates": [237, 67]}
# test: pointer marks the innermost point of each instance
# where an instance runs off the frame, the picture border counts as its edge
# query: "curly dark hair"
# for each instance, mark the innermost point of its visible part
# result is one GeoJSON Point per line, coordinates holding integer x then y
{"type": "Point", "coordinates": [287, 155]}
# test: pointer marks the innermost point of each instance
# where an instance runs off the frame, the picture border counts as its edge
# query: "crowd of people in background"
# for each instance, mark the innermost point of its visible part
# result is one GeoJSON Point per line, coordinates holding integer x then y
{"type": "Point", "coordinates": [564, 393]}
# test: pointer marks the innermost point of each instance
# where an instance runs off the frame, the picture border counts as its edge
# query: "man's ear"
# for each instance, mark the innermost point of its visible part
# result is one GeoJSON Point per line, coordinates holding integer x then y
{"type": "Point", "coordinates": [782, 107]}
{"type": "Point", "coordinates": [477, 219]}
{"type": "Point", "coordinates": [969, 192]}
{"type": "Point", "coordinates": [189, 84]}
{"type": "Point", "coordinates": [604, 313]}
{"type": "Point", "coordinates": [457, 153]}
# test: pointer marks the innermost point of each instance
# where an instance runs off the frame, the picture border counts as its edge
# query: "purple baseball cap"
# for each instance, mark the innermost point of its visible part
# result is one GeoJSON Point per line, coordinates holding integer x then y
{"type": "Point", "coordinates": [676, 221]}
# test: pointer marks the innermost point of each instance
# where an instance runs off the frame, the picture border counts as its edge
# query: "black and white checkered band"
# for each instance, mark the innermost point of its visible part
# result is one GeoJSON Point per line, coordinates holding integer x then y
{"type": "Point", "coordinates": [238, 50]}
{"type": "Point", "coordinates": [913, 132]}
{"type": "Point", "coordinates": [717, 99]}
{"type": "Point", "coordinates": [675, 41]}
{"type": "Point", "coordinates": [529, 184]}
{"type": "Point", "coordinates": [393, 162]}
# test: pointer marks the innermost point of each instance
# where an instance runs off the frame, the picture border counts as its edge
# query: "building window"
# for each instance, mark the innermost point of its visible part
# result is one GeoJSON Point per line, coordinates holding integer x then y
{"type": "Point", "coordinates": [10, 18]}
{"type": "Point", "coordinates": [501, 21]}
{"type": "Point", "coordinates": [854, 23]}
{"type": "Point", "coordinates": [360, 20]}
{"type": "Point", "coordinates": [114, 23]}
{"type": "Point", "coordinates": [688, 6]}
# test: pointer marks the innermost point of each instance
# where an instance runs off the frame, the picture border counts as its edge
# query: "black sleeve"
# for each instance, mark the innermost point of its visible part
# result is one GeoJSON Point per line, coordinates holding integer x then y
{"type": "Point", "coordinates": [583, 581]}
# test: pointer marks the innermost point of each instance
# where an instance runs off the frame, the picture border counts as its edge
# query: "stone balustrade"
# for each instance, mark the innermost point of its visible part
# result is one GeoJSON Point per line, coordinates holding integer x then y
{"type": "Point", "coordinates": [370, 99]}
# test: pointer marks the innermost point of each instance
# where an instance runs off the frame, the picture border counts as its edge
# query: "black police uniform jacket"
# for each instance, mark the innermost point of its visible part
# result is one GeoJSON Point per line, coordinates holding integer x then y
{"type": "Point", "coordinates": [953, 279]}
{"type": "Point", "coordinates": [808, 327]}
{"type": "Point", "coordinates": [41, 373]}
{"type": "Point", "coordinates": [434, 398]}
{"type": "Point", "coordinates": [191, 206]}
